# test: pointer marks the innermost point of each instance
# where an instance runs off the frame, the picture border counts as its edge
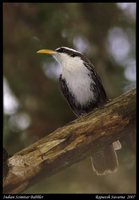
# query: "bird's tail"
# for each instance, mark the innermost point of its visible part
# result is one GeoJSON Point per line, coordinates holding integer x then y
{"type": "Point", "coordinates": [105, 161]}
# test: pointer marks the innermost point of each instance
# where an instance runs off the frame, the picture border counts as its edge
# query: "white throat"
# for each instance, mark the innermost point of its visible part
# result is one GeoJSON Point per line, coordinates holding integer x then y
{"type": "Point", "coordinates": [77, 77]}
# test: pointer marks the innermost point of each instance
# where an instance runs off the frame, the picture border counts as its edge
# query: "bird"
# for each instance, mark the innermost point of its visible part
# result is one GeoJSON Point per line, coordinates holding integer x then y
{"type": "Point", "coordinates": [83, 89]}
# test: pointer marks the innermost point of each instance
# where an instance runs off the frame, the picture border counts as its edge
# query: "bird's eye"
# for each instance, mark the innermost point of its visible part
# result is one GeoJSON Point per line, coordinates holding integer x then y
{"type": "Point", "coordinates": [60, 50]}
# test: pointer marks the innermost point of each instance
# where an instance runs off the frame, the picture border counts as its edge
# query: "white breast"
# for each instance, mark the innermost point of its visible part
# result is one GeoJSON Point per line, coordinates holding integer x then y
{"type": "Point", "coordinates": [77, 78]}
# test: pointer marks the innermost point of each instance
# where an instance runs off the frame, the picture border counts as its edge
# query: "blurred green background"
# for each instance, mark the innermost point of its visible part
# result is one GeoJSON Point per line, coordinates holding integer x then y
{"type": "Point", "coordinates": [33, 104]}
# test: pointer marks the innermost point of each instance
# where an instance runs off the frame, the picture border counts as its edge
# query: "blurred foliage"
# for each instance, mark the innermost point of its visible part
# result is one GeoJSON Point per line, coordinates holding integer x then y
{"type": "Point", "coordinates": [28, 27]}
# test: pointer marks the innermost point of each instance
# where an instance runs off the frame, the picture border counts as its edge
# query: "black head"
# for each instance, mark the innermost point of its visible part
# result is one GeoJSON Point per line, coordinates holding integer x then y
{"type": "Point", "coordinates": [73, 53]}
{"type": "Point", "coordinates": [69, 51]}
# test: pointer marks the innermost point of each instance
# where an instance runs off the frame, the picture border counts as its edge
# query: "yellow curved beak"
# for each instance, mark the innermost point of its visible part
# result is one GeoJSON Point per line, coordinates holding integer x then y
{"type": "Point", "coordinates": [47, 51]}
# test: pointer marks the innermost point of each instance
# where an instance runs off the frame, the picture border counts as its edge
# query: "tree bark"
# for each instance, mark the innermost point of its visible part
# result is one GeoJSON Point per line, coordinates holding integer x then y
{"type": "Point", "coordinates": [72, 143]}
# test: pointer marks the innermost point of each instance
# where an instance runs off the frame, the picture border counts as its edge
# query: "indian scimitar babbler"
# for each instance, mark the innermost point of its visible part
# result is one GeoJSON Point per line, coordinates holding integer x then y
{"type": "Point", "coordinates": [83, 90]}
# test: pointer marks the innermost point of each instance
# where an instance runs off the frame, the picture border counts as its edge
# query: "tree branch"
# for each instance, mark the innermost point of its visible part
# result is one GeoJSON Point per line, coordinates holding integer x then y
{"type": "Point", "coordinates": [71, 143]}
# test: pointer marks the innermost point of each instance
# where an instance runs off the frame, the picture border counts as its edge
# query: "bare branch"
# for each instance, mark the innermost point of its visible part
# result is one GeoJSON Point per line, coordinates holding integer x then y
{"type": "Point", "coordinates": [71, 143]}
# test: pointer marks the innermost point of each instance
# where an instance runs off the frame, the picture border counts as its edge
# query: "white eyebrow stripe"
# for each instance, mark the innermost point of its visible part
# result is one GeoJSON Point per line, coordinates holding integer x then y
{"type": "Point", "coordinates": [68, 49]}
